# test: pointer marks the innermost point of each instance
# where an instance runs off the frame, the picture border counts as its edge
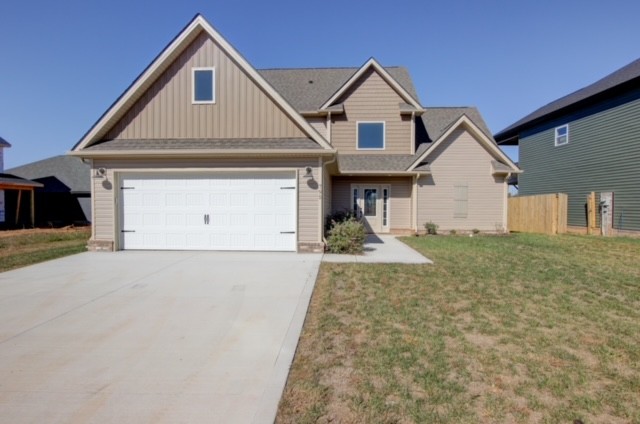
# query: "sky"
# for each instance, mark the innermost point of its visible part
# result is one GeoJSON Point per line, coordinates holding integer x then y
{"type": "Point", "coordinates": [63, 63]}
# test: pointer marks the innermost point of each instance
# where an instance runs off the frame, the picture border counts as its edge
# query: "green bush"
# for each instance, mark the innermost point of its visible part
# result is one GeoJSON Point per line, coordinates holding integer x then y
{"type": "Point", "coordinates": [453, 232]}
{"type": "Point", "coordinates": [431, 228]}
{"type": "Point", "coordinates": [346, 237]}
{"type": "Point", "coordinates": [475, 231]}
{"type": "Point", "coordinates": [336, 218]}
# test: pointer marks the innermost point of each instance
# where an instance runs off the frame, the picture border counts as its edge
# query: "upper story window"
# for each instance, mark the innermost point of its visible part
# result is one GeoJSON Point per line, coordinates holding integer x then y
{"type": "Point", "coordinates": [204, 85]}
{"type": "Point", "coordinates": [371, 135]}
{"type": "Point", "coordinates": [562, 135]}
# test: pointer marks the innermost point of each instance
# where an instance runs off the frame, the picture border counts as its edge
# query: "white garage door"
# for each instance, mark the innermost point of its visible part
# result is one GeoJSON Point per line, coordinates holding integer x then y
{"type": "Point", "coordinates": [254, 211]}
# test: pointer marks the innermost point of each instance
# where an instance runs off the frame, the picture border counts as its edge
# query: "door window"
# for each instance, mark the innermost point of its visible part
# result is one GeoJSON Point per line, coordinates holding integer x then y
{"type": "Point", "coordinates": [370, 200]}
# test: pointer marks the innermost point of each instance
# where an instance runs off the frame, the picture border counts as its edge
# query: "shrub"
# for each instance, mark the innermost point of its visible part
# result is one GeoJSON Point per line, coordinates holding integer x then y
{"type": "Point", "coordinates": [453, 232]}
{"type": "Point", "coordinates": [475, 231]}
{"type": "Point", "coordinates": [336, 218]}
{"type": "Point", "coordinates": [431, 228]}
{"type": "Point", "coordinates": [346, 237]}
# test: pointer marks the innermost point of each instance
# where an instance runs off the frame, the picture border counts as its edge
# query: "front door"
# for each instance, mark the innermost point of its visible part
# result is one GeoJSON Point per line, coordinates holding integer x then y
{"type": "Point", "coordinates": [372, 206]}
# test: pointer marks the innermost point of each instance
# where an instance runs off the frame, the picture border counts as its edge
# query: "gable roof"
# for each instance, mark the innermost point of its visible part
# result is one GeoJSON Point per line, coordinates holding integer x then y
{"type": "Point", "coordinates": [4, 143]}
{"type": "Point", "coordinates": [373, 64]}
{"type": "Point", "coordinates": [618, 80]}
{"type": "Point", "coordinates": [68, 170]}
{"type": "Point", "coordinates": [164, 60]}
{"type": "Point", "coordinates": [306, 89]}
{"type": "Point", "coordinates": [484, 139]}
{"type": "Point", "coordinates": [437, 120]}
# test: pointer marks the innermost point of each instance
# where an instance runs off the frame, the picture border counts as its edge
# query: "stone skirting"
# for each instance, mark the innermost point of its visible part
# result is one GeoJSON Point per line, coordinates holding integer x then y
{"type": "Point", "coordinates": [310, 247]}
{"type": "Point", "coordinates": [100, 246]}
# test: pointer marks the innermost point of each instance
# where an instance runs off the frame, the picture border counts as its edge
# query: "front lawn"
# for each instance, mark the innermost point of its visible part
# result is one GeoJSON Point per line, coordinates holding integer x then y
{"type": "Point", "coordinates": [20, 248]}
{"type": "Point", "coordinates": [521, 328]}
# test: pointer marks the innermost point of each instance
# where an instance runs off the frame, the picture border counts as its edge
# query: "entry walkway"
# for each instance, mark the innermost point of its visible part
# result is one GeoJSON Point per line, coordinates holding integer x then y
{"type": "Point", "coordinates": [381, 249]}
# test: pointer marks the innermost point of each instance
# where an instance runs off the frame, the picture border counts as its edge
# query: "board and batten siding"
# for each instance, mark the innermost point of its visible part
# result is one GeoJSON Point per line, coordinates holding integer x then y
{"type": "Point", "coordinates": [371, 99]}
{"type": "Point", "coordinates": [603, 154]}
{"type": "Point", "coordinates": [461, 161]}
{"type": "Point", "coordinates": [106, 198]}
{"type": "Point", "coordinates": [241, 110]}
{"type": "Point", "coordinates": [400, 216]}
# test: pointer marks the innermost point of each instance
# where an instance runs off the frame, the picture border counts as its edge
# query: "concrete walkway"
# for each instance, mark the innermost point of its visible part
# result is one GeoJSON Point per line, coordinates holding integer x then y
{"type": "Point", "coordinates": [381, 249]}
{"type": "Point", "coordinates": [151, 337]}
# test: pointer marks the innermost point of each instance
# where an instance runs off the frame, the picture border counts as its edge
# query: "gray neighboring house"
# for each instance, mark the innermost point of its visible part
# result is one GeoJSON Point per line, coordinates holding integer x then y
{"type": "Point", "coordinates": [586, 141]}
{"type": "Point", "coordinates": [65, 197]}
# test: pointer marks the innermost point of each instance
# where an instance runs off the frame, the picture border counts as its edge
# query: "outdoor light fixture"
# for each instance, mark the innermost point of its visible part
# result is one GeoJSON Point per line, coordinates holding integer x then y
{"type": "Point", "coordinates": [308, 172]}
{"type": "Point", "coordinates": [101, 172]}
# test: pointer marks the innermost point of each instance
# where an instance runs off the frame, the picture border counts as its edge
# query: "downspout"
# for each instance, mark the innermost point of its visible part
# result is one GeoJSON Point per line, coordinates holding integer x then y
{"type": "Point", "coordinates": [416, 177]}
{"type": "Point", "coordinates": [505, 211]}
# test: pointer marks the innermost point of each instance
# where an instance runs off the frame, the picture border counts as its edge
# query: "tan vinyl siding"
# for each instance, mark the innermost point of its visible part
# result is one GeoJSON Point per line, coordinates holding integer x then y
{"type": "Point", "coordinates": [242, 109]}
{"type": "Point", "coordinates": [104, 194]}
{"type": "Point", "coordinates": [399, 203]}
{"type": "Point", "coordinates": [372, 99]}
{"type": "Point", "coordinates": [319, 124]}
{"type": "Point", "coordinates": [326, 193]}
{"type": "Point", "coordinates": [461, 169]}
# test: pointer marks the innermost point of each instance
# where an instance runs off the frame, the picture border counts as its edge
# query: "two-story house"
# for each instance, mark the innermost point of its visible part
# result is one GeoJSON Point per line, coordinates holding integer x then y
{"type": "Point", "coordinates": [203, 151]}
{"type": "Point", "coordinates": [587, 141]}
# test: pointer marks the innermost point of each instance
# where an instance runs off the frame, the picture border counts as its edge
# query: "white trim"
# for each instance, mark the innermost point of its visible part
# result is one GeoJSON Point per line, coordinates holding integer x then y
{"type": "Point", "coordinates": [213, 85]}
{"type": "Point", "coordinates": [384, 135]}
{"type": "Point", "coordinates": [384, 74]}
{"type": "Point", "coordinates": [556, 136]}
{"type": "Point", "coordinates": [478, 135]}
{"type": "Point", "coordinates": [154, 71]}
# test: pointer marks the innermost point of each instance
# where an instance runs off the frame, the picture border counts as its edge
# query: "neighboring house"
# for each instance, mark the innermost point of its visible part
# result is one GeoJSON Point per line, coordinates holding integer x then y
{"type": "Point", "coordinates": [588, 141]}
{"type": "Point", "coordinates": [203, 151]}
{"type": "Point", "coordinates": [16, 210]}
{"type": "Point", "coordinates": [65, 197]}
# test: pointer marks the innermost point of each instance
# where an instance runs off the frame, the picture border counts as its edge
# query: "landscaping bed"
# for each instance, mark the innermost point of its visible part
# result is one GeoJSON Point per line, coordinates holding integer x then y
{"type": "Point", "coordinates": [522, 328]}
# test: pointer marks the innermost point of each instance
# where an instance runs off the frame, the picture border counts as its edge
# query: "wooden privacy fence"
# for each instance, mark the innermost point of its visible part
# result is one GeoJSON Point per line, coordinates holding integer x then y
{"type": "Point", "coordinates": [545, 213]}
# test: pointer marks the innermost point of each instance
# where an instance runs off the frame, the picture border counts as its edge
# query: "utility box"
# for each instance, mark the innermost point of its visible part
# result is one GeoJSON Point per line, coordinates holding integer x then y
{"type": "Point", "coordinates": [606, 212]}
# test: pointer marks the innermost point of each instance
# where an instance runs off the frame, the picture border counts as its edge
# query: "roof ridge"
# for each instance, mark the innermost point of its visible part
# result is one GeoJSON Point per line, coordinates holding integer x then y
{"type": "Point", "coordinates": [322, 68]}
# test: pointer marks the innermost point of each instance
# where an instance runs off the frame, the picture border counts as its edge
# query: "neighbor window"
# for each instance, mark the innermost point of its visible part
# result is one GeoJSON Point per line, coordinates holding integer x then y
{"type": "Point", "coordinates": [562, 135]}
{"type": "Point", "coordinates": [204, 85]}
{"type": "Point", "coordinates": [370, 135]}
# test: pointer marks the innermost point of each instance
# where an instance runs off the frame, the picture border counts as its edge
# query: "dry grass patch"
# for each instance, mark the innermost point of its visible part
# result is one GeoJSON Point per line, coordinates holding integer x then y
{"type": "Point", "coordinates": [523, 329]}
{"type": "Point", "coordinates": [20, 248]}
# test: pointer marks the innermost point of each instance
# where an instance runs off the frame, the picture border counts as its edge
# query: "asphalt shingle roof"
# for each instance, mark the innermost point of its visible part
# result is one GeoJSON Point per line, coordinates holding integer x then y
{"type": "Point", "coordinates": [621, 76]}
{"type": "Point", "coordinates": [380, 163]}
{"type": "Point", "coordinates": [437, 120]}
{"type": "Point", "coordinates": [308, 88]}
{"type": "Point", "coordinates": [10, 179]}
{"type": "Point", "coordinates": [231, 144]}
{"type": "Point", "coordinates": [68, 170]}
{"type": "Point", "coordinates": [4, 143]}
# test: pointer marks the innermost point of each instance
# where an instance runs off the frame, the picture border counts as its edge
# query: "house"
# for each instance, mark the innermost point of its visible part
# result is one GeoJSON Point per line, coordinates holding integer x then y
{"type": "Point", "coordinates": [16, 210]}
{"type": "Point", "coordinates": [65, 195]}
{"type": "Point", "coordinates": [587, 141]}
{"type": "Point", "coordinates": [203, 151]}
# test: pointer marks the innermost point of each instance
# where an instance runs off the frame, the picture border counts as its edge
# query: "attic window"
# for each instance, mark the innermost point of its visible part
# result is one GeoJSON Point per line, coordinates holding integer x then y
{"type": "Point", "coordinates": [204, 85]}
{"type": "Point", "coordinates": [562, 135]}
{"type": "Point", "coordinates": [370, 135]}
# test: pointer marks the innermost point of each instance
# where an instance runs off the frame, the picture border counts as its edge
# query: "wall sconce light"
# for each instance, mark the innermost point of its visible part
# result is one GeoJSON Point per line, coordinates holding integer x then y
{"type": "Point", "coordinates": [308, 172]}
{"type": "Point", "coordinates": [101, 173]}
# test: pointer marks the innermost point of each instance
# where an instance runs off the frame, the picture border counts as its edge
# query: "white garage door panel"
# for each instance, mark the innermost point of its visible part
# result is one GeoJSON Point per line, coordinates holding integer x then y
{"type": "Point", "coordinates": [209, 212]}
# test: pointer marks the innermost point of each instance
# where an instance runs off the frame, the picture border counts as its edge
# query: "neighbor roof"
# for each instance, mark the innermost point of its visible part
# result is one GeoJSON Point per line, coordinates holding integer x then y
{"type": "Point", "coordinates": [4, 143]}
{"type": "Point", "coordinates": [594, 92]}
{"type": "Point", "coordinates": [10, 181]}
{"type": "Point", "coordinates": [70, 171]}
{"type": "Point", "coordinates": [307, 89]}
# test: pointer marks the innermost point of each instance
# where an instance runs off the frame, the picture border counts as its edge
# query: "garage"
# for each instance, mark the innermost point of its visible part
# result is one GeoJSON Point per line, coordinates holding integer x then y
{"type": "Point", "coordinates": [226, 211]}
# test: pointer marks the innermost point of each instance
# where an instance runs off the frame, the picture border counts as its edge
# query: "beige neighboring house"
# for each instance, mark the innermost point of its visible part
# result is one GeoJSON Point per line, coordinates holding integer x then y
{"type": "Point", "coordinates": [205, 152]}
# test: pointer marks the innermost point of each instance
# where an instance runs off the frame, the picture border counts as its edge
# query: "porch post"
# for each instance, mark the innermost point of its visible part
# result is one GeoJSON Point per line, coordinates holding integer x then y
{"type": "Point", "coordinates": [18, 206]}
{"type": "Point", "coordinates": [33, 208]}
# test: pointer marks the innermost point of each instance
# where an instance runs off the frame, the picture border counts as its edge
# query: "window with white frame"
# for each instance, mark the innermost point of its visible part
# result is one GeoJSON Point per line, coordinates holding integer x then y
{"type": "Point", "coordinates": [562, 135]}
{"type": "Point", "coordinates": [370, 135]}
{"type": "Point", "coordinates": [204, 85]}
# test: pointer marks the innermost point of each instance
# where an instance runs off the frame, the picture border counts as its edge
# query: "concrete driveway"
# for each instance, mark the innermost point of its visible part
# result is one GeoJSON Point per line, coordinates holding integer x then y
{"type": "Point", "coordinates": [151, 337]}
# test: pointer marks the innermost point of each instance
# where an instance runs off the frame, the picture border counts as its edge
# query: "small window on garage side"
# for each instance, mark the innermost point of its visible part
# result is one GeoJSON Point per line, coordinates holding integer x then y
{"type": "Point", "coordinates": [562, 135]}
{"type": "Point", "coordinates": [460, 200]}
{"type": "Point", "coordinates": [370, 135]}
{"type": "Point", "coordinates": [204, 85]}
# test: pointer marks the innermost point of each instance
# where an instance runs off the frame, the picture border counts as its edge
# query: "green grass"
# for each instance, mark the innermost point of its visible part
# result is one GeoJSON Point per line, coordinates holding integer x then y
{"type": "Point", "coordinates": [26, 247]}
{"type": "Point", "coordinates": [522, 328]}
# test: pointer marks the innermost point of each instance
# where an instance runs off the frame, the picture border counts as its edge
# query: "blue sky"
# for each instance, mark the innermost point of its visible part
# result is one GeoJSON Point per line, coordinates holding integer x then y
{"type": "Point", "coordinates": [63, 63]}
